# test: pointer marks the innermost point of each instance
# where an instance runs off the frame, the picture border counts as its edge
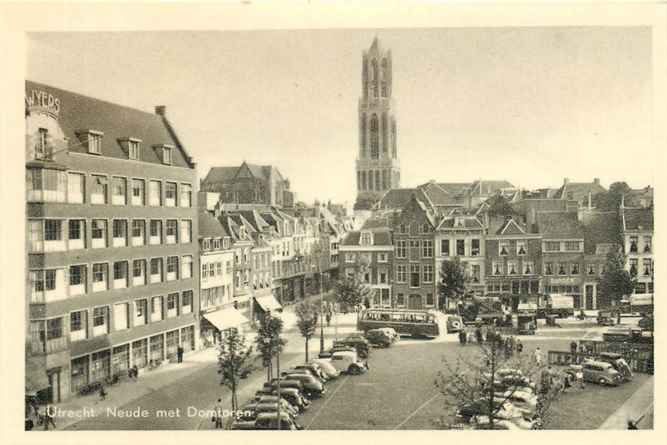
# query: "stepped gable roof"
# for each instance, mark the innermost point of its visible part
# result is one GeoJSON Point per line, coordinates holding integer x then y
{"type": "Point", "coordinates": [210, 227]}
{"type": "Point", "coordinates": [638, 219]}
{"type": "Point", "coordinates": [79, 113]}
{"type": "Point", "coordinates": [559, 225]}
{"type": "Point", "coordinates": [600, 228]}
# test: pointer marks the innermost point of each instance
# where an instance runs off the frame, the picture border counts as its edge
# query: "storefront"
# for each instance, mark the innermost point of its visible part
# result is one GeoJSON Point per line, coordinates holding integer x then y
{"type": "Point", "coordinates": [100, 365]}
{"type": "Point", "coordinates": [266, 303]}
{"type": "Point", "coordinates": [140, 353]}
{"type": "Point", "coordinates": [157, 348]}
{"type": "Point", "coordinates": [121, 359]}
{"type": "Point", "coordinates": [215, 323]}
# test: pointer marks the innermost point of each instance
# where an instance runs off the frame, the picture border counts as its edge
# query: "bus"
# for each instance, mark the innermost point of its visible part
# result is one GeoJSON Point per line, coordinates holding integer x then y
{"type": "Point", "coordinates": [417, 323]}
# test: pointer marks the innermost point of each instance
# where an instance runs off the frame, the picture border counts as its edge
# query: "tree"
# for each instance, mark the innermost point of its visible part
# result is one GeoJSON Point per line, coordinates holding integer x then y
{"type": "Point", "coordinates": [234, 362]}
{"type": "Point", "coordinates": [351, 291]}
{"type": "Point", "coordinates": [500, 206]}
{"type": "Point", "coordinates": [268, 341]}
{"type": "Point", "coordinates": [453, 280]}
{"type": "Point", "coordinates": [615, 282]}
{"type": "Point", "coordinates": [472, 379]}
{"type": "Point", "coordinates": [306, 319]}
{"type": "Point", "coordinates": [611, 199]}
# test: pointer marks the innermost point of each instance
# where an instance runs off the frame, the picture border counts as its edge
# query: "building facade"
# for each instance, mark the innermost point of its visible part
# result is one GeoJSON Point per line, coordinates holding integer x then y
{"type": "Point", "coordinates": [377, 165]}
{"type": "Point", "coordinates": [637, 236]}
{"type": "Point", "coordinates": [413, 230]}
{"type": "Point", "coordinates": [111, 240]}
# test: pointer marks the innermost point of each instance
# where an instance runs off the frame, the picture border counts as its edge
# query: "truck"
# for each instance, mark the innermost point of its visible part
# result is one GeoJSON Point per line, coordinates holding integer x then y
{"type": "Point", "coordinates": [560, 305]}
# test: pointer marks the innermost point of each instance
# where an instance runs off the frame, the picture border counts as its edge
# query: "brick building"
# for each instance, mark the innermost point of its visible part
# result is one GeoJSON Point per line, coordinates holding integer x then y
{"type": "Point", "coordinates": [111, 240]}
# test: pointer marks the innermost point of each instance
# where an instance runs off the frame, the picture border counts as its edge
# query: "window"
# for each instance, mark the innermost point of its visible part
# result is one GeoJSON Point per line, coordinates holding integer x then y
{"type": "Point", "coordinates": [172, 228]}
{"type": "Point", "coordinates": [170, 194]}
{"type": "Point", "coordinates": [118, 191]}
{"type": "Point", "coordinates": [429, 299]}
{"type": "Point", "coordinates": [121, 316]}
{"type": "Point", "coordinates": [444, 247]}
{"type": "Point", "coordinates": [77, 280]}
{"type": "Point", "coordinates": [640, 288]}
{"type": "Point", "coordinates": [497, 268]}
{"type": "Point", "coordinates": [475, 249]}
{"type": "Point", "coordinates": [100, 320]}
{"type": "Point", "coordinates": [403, 229]}
{"type": "Point", "coordinates": [511, 268]}
{"type": "Point", "coordinates": [119, 231]}
{"type": "Point", "coordinates": [47, 185]}
{"type": "Point", "coordinates": [154, 193]}
{"type": "Point", "coordinates": [133, 148]}
{"type": "Point", "coordinates": [172, 305]}
{"type": "Point", "coordinates": [99, 233]}
{"type": "Point", "coordinates": [76, 234]}
{"type": "Point", "coordinates": [172, 268]}
{"type": "Point", "coordinates": [650, 287]}
{"type": "Point", "coordinates": [42, 144]}
{"type": "Point", "coordinates": [155, 231]}
{"type": "Point", "coordinates": [156, 308]}
{"type": "Point", "coordinates": [186, 232]}
{"type": "Point", "coordinates": [414, 275]}
{"type": "Point", "coordinates": [646, 266]}
{"type": "Point", "coordinates": [186, 266]}
{"type": "Point", "coordinates": [414, 249]}
{"type": "Point", "coordinates": [400, 300]}
{"type": "Point", "coordinates": [349, 258]}
{"type": "Point", "coordinates": [460, 247]}
{"type": "Point", "coordinates": [401, 248]}
{"type": "Point", "coordinates": [141, 312]}
{"type": "Point", "coordinates": [572, 246]}
{"type": "Point", "coordinates": [156, 270]}
{"type": "Point", "coordinates": [186, 195]}
{"type": "Point", "coordinates": [382, 258]}
{"type": "Point", "coordinates": [216, 244]}
{"type": "Point", "coordinates": [561, 269]}
{"type": "Point", "coordinates": [503, 248]}
{"type": "Point", "coordinates": [366, 239]}
{"type": "Point", "coordinates": [427, 249]}
{"type": "Point", "coordinates": [633, 244]}
{"type": "Point", "coordinates": [633, 266]}
{"type": "Point", "coordinates": [647, 244]}
{"type": "Point", "coordinates": [401, 273]}
{"type": "Point", "coordinates": [138, 192]}
{"type": "Point", "coordinates": [120, 275]}
{"type": "Point", "coordinates": [94, 140]}
{"type": "Point", "coordinates": [52, 230]}
{"type": "Point", "coordinates": [218, 268]}
{"type": "Point", "coordinates": [204, 271]}
{"type": "Point", "coordinates": [574, 269]}
{"type": "Point", "coordinates": [75, 188]}
{"type": "Point", "coordinates": [528, 268]}
{"type": "Point", "coordinates": [138, 272]}
{"type": "Point", "coordinates": [520, 248]}
{"type": "Point", "coordinates": [54, 328]}
{"type": "Point", "coordinates": [382, 277]}
{"type": "Point", "coordinates": [552, 246]}
{"type": "Point", "coordinates": [186, 300]}
{"type": "Point", "coordinates": [166, 155]}
{"type": "Point", "coordinates": [99, 277]}
{"type": "Point", "coordinates": [475, 273]}
{"type": "Point", "coordinates": [98, 194]}
{"type": "Point", "coordinates": [548, 269]}
{"type": "Point", "coordinates": [428, 273]}
{"type": "Point", "coordinates": [590, 269]}
{"type": "Point", "coordinates": [77, 325]}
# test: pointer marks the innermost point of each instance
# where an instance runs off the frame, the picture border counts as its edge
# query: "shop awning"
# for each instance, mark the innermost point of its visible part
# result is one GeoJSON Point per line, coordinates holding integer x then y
{"type": "Point", "coordinates": [268, 303]}
{"type": "Point", "coordinates": [226, 318]}
{"type": "Point", "coordinates": [35, 375]}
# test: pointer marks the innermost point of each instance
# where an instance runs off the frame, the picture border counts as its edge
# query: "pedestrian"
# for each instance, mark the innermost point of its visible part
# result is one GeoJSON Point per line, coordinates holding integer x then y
{"type": "Point", "coordinates": [519, 346]}
{"type": "Point", "coordinates": [328, 317]}
{"type": "Point", "coordinates": [49, 416]}
{"type": "Point", "coordinates": [461, 335]}
{"type": "Point", "coordinates": [218, 414]}
{"type": "Point", "coordinates": [465, 337]}
{"type": "Point", "coordinates": [478, 335]}
{"type": "Point", "coordinates": [573, 347]}
{"type": "Point", "coordinates": [179, 353]}
{"type": "Point", "coordinates": [103, 393]}
{"type": "Point", "coordinates": [537, 356]}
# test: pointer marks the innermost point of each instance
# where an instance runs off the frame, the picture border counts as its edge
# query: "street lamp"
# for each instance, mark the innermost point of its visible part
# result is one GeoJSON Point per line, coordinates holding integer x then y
{"type": "Point", "coordinates": [319, 271]}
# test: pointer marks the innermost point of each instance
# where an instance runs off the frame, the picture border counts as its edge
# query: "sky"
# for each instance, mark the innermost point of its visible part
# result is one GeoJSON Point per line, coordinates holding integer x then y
{"type": "Point", "coordinates": [530, 105]}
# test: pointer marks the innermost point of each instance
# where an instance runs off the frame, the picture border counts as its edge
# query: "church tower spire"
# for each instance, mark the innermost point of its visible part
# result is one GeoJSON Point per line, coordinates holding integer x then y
{"type": "Point", "coordinates": [377, 163]}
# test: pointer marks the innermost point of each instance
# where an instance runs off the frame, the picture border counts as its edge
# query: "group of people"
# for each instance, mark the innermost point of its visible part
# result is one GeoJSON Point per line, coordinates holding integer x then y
{"type": "Point", "coordinates": [36, 415]}
{"type": "Point", "coordinates": [508, 343]}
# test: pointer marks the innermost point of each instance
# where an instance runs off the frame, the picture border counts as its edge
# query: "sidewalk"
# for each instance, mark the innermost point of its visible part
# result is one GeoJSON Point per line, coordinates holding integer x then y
{"type": "Point", "coordinates": [639, 404]}
{"type": "Point", "coordinates": [125, 392]}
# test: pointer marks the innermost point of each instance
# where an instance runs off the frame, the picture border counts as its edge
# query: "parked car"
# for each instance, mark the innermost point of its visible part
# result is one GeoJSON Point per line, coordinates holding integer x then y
{"type": "Point", "coordinates": [509, 379]}
{"type": "Point", "coordinates": [618, 363]}
{"type": "Point", "coordinates": [266, 407]}
{"type": "Point", "coordinates": [285, 383]}
{"type": "Point", "coordinates": [243, 425]}
{"type": "Point", "coordinates": [357, 341]}
{"type": "Point", "coordinates": [348, 362]}
{"type": "Point", "coordinates": [523, 400]}
{"type": "Point", "coordinates": [600, 372]}
{"type": "Point", "coordinates": [381, 337]}
{"type": "Point", "coordinates": [293, 396]}
{"type": "Point", "coordinates": [270, 421]}
{"type": "Point", "coordinates": [313, 369]}
{"type": "Point", "coordinates": [326, 354]}
{"type": "Point", "coordinates": [503, 409]}
{"type": "Point", "coordinates": [327, 368]}
{"type": "Point", "coordinates": [606, 318]}
{"type": "Point", "coordinates": [312, 386]}
{"type": "Point", "coordinates": [284, 404]}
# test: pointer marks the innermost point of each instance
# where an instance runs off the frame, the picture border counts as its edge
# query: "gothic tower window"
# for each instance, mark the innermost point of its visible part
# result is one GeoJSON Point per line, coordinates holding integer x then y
{"type": "Point", "coordinates": [363, 135]}
{"type": "Point", "coordinates": [364, 78]}
{"type": "Point", "coordinates": [370, 180]}
{"type": "Point", "coordinates": [393, 138]}
{"type": "Point", "coordinates": [377, 180]}
{"type": "Point", "coordinates": [385, 77]}
{"type": "Point", "coordinates": [363, 180]}
{"type": "Point", "coordinates": [385, 130]}
{"type": "Point", "coordinates": [374, 137]}
{"type": "Point", "coordinates": [374, 77]}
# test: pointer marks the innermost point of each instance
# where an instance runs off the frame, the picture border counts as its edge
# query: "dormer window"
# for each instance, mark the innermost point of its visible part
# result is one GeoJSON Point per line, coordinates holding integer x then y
{"type": "Point", "coordinates": [242, 233]}
{"type": "Point", "coordinates": [42, 143]}
{"type": "Point", "coordinates": [166, 155]}
{"type": "Point", "coordinates": [366, 239]}
{"type": "Point", "coordinates": [93, 140]}
{"type": "Point", "coordinates": [133, 149]}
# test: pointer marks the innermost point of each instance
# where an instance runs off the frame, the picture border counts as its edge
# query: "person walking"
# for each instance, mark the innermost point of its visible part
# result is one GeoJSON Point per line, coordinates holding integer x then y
{"type": "Point", "coordinates": [49, 416]}
{"type": "Point", "coordinates": [103, 393]}
{"type": "Point", "coordinates": [519, 346]}
{"type": "Point", "coordinates": [573, 347]}
{"type": "Point", "coordinates": [219, 411]}
{"type": "Point", "coordinates": [537, 356]}
{"type": "Point", "coordinates": [179, 353]}
{"type": "Point", "coordinates": [461, 335]}
{"type": "Point", "coordinates": [478, 335]}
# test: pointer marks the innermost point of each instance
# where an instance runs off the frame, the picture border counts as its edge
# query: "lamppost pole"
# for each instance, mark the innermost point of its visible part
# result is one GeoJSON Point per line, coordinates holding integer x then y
{"type": "Point", "coordinates": [319, 270]}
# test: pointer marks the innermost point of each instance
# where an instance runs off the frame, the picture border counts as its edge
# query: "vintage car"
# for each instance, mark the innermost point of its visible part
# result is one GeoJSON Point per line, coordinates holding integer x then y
{"type": "Point", "coordinates": [601, 373]}
{"type": "Point", "coordinates": [312, 386]}
{"type": "Point", "coordinates": [618, 363]}
{"type": "Point", "coordinates": [383, 337]}
{"type": "Point", "coordinates": [606, 318]}
{"type": "Point", "coordinates": [454, 324]}
{"type": "Point", "coordinates": [313, 369]}
{"type": "Point", "coordinates": [269, 421]}
{"type": "Point", "coordinates": [348, 362]}
{"type": "Point", "coordinates": [327, 368]}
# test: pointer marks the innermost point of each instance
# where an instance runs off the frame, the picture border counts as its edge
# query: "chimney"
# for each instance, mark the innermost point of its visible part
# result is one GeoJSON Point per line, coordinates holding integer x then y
{"type": "Point", "coordinates": [596, 181]}
{"type": "Point", "coordinates": [566, 181]}
{"type": "Point", "coordinates": [161, 110]}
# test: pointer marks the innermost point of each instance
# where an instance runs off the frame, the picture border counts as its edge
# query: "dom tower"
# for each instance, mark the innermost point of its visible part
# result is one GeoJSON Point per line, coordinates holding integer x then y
{"type": "Point", "coordinates": [377, 163]}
